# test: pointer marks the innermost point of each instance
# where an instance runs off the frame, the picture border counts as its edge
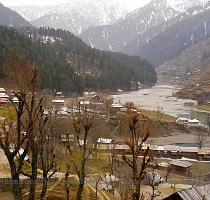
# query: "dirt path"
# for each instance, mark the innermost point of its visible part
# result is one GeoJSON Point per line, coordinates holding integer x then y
{"type": "Point", "coordinates": [6, 196]}
{"type": "Point", "coordinates": [101, 194]}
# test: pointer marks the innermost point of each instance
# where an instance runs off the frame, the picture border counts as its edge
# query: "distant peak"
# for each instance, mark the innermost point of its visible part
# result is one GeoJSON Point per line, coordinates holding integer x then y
{"type": "Point", "coordinates": [159, 2]}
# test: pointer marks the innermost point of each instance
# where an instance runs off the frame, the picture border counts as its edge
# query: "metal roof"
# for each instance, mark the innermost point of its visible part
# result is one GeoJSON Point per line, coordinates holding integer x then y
{"type": "Point", "coordinates": [58, 101]}
{"type": "Point", "coordinates": [189, 149]}
{"type": "Point", "coordinates": [105, 140]}
{"type": "Point", "coordinates": [3, 95]}
{"type": "Point", "coordinates": [194, 121]}
{"type": "Point", "coordinates": [204, 151]}
{"type": "Point", "coordinates": [181, 163]}
{"type": "Point", "coordinates": [171, 148]}
{"type": "Point", "coordinates": [196, 193]}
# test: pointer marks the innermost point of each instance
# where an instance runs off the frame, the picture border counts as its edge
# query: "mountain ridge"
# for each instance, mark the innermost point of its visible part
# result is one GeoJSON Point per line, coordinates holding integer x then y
{"type": "Point", "coordinates": [116, 36]}
{"type": "Point", "coordinates": [11, 18]}
{"type": "Point", "coordinates": [75, 16]}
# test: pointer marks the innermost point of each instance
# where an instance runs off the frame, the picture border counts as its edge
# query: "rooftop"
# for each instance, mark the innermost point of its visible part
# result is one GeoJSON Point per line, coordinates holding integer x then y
{"type": "Point", "coordinates": [196, 193]}
{"type": "Point", "coordinates": [104, 140]}
{"type": "Point", "coordinates": [204, 151]}
{"type": "Point", "coordinates": [58, 101]}
{"type": "Point", "coordinates": [2, 90]}
{"type": "Point", "coordinates": [179, 163]}
{"type": "Point", "coordinates": [194, 121]}
{"type": "Point", "coordinates": [3, 95]}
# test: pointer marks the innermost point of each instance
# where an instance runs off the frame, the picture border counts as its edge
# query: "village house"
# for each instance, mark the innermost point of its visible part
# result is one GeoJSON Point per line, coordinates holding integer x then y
{"type": "Point", "coordinates": [59, 95]}
{"type": "Point", "coordinates": [194, 193]}
{"type": "Point", "coordinates": [182, 120]}
{"type": "Point", "coordinates": [194, 123]}
{"type": "Point", "coordinates": [189, 122]}
{"type": "Point", "coordinates": [116, 107]}
{"type": "Point", "coordinates": [67, 138]}
{"type": "Point", "coordinates": [204, 154]}
{"type": "Point", "coordinates": [182, 168]}
{"type": "Point", "coordinates": [4, 98]}
{"type": "Point", "coordinates": [58, 104]}
{"type": "Point", "coordinates": [105, 143]}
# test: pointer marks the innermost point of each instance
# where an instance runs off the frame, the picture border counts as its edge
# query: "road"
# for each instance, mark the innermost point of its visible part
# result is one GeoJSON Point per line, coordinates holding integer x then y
{"type": "Point", "coordinates": [187, 139]}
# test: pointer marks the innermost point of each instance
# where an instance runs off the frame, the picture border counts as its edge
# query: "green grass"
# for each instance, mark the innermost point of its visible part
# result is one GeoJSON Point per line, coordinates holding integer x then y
{"type": "Point", "coordinates": [203, 107]}
{"type": "Point", "coordinates": [156, 116]}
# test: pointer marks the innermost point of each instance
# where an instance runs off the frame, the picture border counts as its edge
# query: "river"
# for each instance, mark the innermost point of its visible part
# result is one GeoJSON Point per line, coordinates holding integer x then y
{"type": "Point", "coordinates": [160, 96]}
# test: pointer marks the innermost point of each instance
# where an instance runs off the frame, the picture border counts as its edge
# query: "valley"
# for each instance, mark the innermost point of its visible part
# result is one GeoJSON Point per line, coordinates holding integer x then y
{"type": "Point", "coordinates": [105, 100]}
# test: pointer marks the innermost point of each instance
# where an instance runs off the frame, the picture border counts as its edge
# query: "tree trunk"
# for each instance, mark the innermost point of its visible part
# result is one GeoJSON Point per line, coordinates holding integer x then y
{"type": "Point", "coordinates": [32, 192]}
{"type": "Point", "coordinates": [80, 190]}
{"type": "Point", "coordinates": [67, 193]}
{"type": "Point", "coordinates": [136, 194]}
{"type": "Point", "coordinates": [96, 189]}
{"type": "Point", "coordinates": [32, 189]}
{"type": "Point", "coordinates": [16, 189]}
{"type": "Point", "coordinates": [67, 186]}
{"type": "Point", "coordinates": [15, 181]}
{"type": "Point", "coordinates": [44, 186]}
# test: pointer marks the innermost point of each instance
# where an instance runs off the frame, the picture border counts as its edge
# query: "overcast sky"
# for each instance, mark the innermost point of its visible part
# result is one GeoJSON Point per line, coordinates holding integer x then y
{"type": "Point", "coordinates": [132, 3]}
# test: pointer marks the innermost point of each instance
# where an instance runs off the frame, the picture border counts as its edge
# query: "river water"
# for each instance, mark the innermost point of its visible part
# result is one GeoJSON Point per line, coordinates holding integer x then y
{"type": "Point", "coordinates": [160, 96]}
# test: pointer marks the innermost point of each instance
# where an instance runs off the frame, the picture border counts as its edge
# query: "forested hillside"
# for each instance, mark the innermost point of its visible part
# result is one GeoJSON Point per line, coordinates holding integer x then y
{"type": "Point", "coordinates": [68, 64]}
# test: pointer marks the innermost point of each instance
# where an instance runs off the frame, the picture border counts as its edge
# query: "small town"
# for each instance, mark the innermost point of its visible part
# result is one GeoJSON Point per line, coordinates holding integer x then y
{"type": "Point", "coordinates": [178, 157]}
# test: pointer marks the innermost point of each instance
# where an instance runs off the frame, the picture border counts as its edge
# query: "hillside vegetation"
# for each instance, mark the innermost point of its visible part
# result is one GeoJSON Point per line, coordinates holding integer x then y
{"type": "Point", "coordinates": [68, 64]}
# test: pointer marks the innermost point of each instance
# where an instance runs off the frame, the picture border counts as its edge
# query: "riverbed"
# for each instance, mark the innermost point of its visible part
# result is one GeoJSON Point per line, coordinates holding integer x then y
{"type": "Point", "coordinates": [158, 97]}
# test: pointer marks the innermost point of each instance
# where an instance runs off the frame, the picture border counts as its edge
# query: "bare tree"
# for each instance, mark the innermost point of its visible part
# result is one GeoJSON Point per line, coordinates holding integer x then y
{"type": "Point", "coordinates": [201, 139]}
{"type": "Point", "coordinates": [139, 132]}
{"type": "Point", "coordinates": [160, 115]}
{"type": "Point", "coordinates": [154, 181]}
{"type": "Point", "coordinates": [107, 102]}
{"type": "Point", "coordinates": [18, 139]}
{"type": "Point", "coordinates": [67, 184]}
{"type": "Point", "coordinates": [124, 183]}
{"type": "Point", "coordinates": [82, 124]}
{"type": "Point", "coordinates": [49, 153]}
{"type": "Point", "coordinates": [168, 173]}
{"type": "Point", "coordinates": [18, 135]}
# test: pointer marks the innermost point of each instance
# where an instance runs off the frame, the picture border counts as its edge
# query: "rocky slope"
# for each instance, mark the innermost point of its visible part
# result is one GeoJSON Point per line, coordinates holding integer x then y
{"type": "Point", "coordinates": [117, 36]}
{"type": "Point", "coordinates": [188, 63]}
{"type": "Point", "coordinates": [170, 42]}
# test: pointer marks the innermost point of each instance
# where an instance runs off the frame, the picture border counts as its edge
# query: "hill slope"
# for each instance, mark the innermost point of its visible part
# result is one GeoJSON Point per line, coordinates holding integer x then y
{"type": "Point", "coordinates": [68, 64]}
{"type": "Point", "coordinates": [187, 62]}
{"type": "Point", "coordinates": [191, 70]}
{"type": "Point", "coordinates": [11, 18]}
{"type": "Point", "coordinates": [170, 42]}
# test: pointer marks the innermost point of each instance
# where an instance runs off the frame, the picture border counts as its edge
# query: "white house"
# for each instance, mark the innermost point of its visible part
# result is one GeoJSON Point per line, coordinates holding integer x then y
{"type": "Point", "coordinates": [194, 123]}
{"type": "Point", "coordinates": [182, 120]}
{"type": "Point", "coordinates": [104, 143]}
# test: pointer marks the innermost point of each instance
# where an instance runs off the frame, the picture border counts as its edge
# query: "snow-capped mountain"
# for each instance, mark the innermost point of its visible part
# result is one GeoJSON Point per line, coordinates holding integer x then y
{"type": "Point", "coordinates": [170, 42]}
{"type": "Point", "coordinates": [184, 5]}
{"type": "Point", "coordinates": [115, 37]}
{"type": "Point", "coordinates": [31, 13]}
{"type": "Point", "coordinates": [76, 16]}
